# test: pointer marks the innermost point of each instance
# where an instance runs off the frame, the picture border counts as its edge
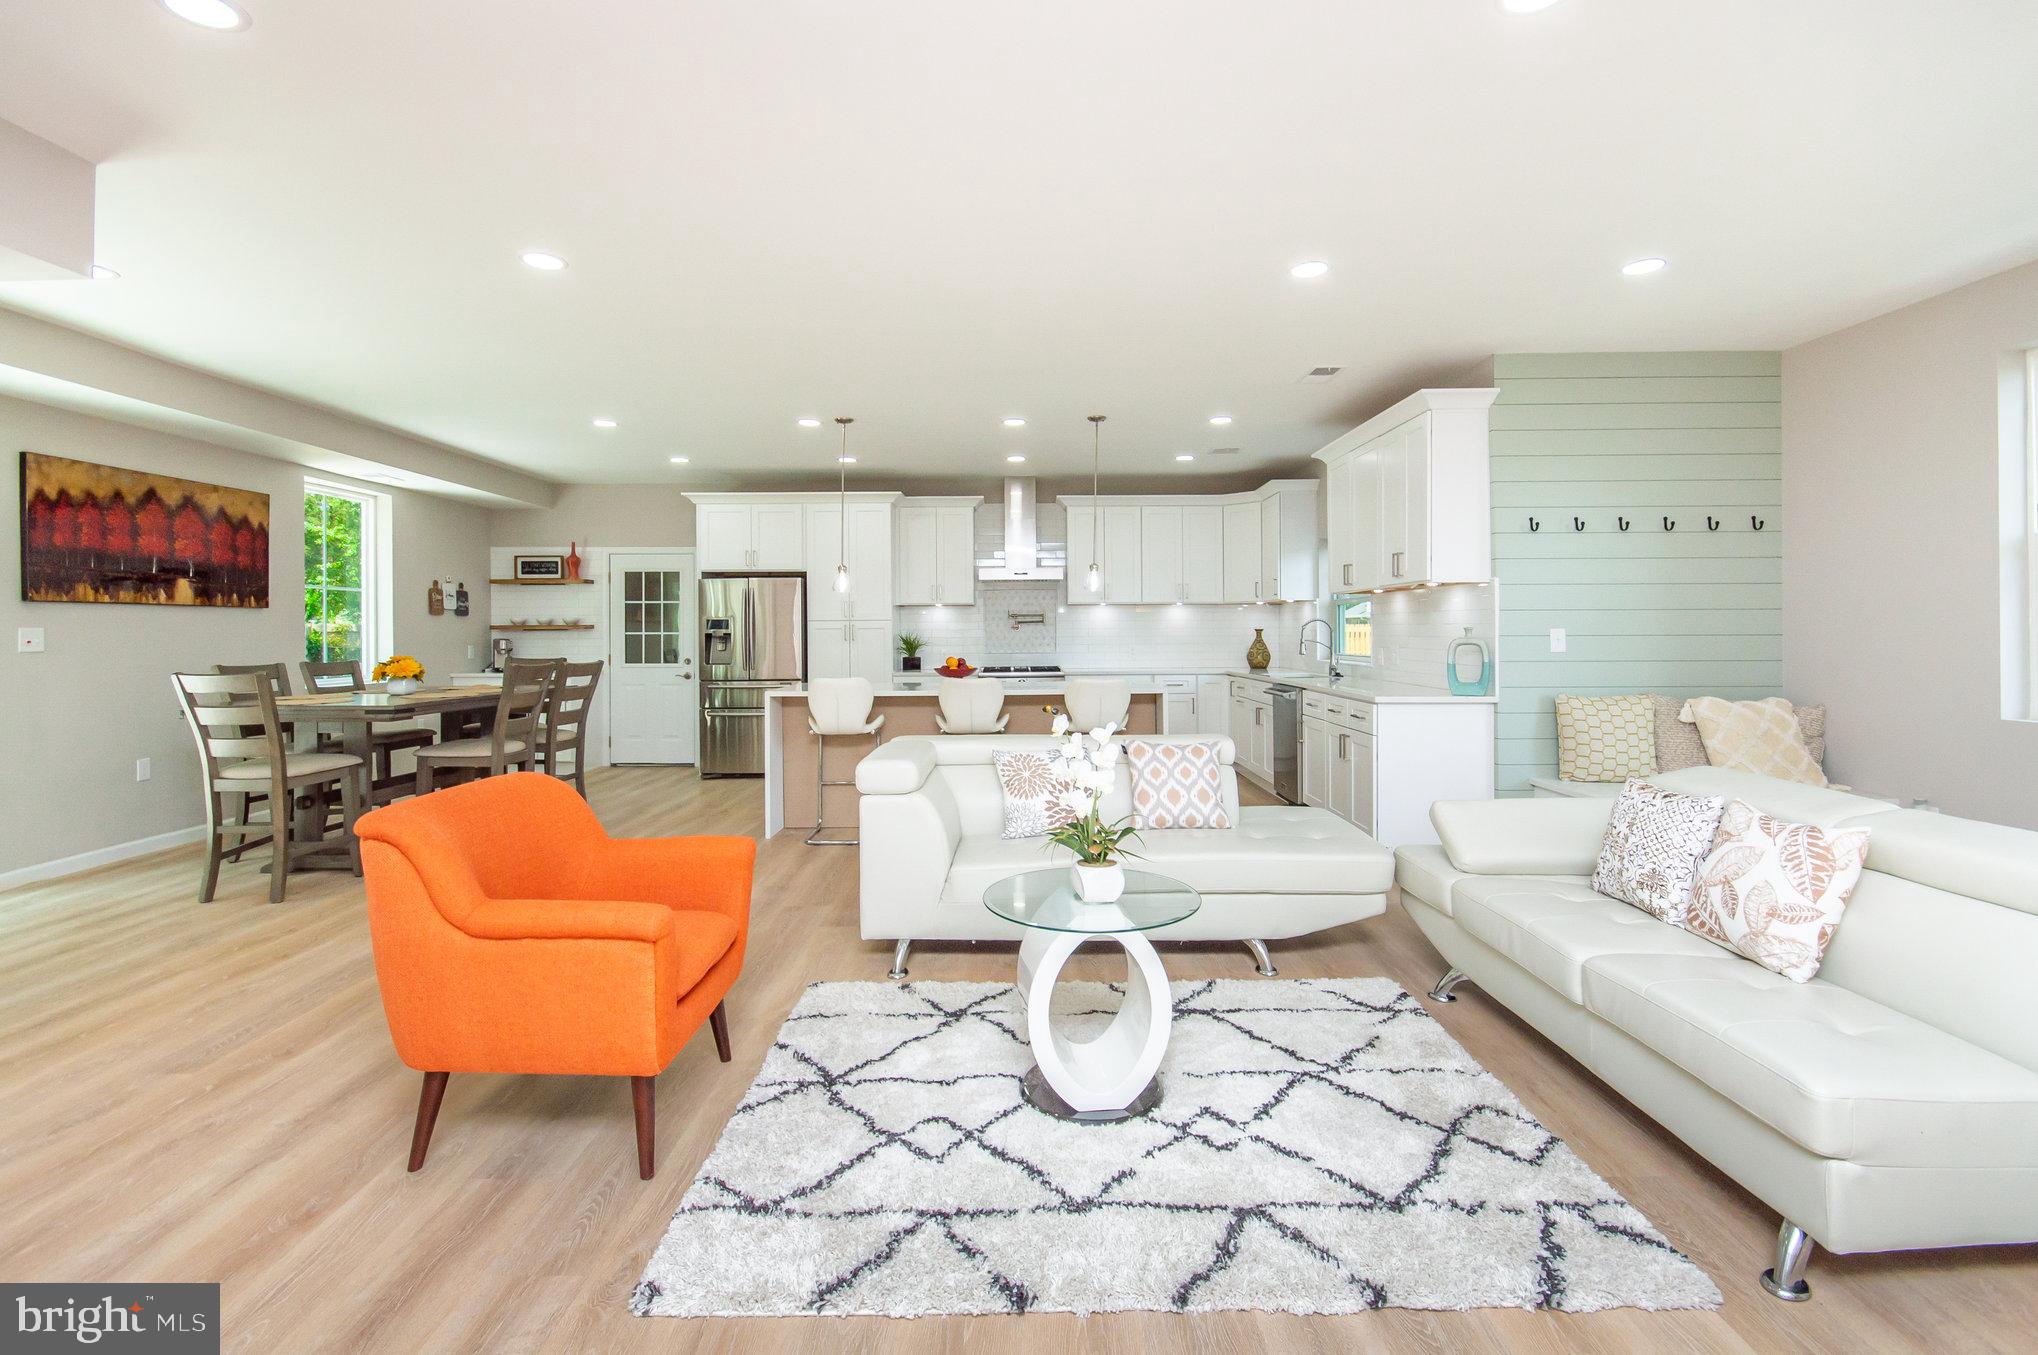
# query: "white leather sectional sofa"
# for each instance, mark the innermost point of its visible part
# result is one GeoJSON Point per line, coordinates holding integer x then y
{"type": "Point", "coordinates": [930, 816]}
{"type": "Point", "coordinates": [1890, 1103]}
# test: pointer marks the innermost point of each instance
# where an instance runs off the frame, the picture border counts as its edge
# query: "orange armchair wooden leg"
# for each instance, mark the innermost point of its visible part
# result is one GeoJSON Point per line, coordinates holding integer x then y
{"type": "Point", "coordinates": [643, 1091]}
{"type": "Point", "coordinates": [718, 1021]}
{"type": "Point", "coordinates": [433, 1092]}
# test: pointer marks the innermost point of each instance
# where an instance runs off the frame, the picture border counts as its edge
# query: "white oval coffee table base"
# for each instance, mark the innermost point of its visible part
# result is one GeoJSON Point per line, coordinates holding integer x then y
{"type": "Point", "coordinates": [1109, 1077]}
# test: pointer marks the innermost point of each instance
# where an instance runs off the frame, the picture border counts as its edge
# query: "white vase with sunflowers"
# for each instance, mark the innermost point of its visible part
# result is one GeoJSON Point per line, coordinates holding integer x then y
{"type": "Point", "coordinates": [399, 674]}
{"type": "Point", "coordinates": [1088, 764]}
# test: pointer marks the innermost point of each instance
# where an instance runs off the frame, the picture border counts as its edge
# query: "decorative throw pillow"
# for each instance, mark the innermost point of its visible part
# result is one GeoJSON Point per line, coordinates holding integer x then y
{"type": "Point", "coordinates": [1177, 785]}
{"type": "Point", "coordinates": [1677, 743]}
{"type": "Point", "coordinates": [1773, 891]}
{"type": "Point", "coordinates": [1811, 722]}
{"type": "Point", "coordinates": [1037, 795]}
{"type": "Point", "coordinates": [1754, 736]}
{"type": "Point", "coordinates": [1605, 738]}
{"type": "Point", "coordinates": [1654, 841]}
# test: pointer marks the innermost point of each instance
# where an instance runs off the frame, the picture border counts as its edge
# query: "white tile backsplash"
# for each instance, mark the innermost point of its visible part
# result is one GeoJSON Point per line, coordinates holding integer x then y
{"type": "Point", "coordinates": [1412, 628]}
{"type": "Point", "coordinates": [1156, 638]}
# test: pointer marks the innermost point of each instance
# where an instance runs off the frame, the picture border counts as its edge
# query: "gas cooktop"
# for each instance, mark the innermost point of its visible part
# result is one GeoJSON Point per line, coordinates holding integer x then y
{"type": "Point", "coordinates": [1022, 669]}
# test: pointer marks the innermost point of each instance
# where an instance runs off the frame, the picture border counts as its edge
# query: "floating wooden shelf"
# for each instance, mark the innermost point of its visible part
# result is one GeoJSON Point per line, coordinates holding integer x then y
{"type": "Point", "coordinates": [537, 583]}
{"type": "Point", "coordinates": [577, 625]}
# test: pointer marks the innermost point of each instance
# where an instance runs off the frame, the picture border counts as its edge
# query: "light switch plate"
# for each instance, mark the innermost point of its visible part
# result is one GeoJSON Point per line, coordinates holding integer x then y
{"type": "Point", "coordinates": [28, 640]}
{"type": "Point", "coordinates": [1557, 640]}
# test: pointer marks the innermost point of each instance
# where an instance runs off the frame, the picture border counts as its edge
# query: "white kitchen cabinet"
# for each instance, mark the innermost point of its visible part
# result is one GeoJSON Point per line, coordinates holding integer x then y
{"type": "Point", "coordinates": [1213, 706]}
{"type": "Point", "coordinates": [1179, 695]}
{"type": "Point", "coordinates": [935, 546]}
{"type": "Point", "coordinates": [775, 537]}
{"type": "Point", "coordinates": [1180, 553]}
{"type": "Point", "coordinates": [866, 548]}
{"type": "Point", "coordinates": [722, 536]}
{"type": "Point", "coordinates": [838, 649]}
{"type": "Point", "coordinates": [1242, 559]}
{"type": "Point", "coordinates": [1411, 498]}
{"type": "Point", "coordinates": [1107, 536]}
{"type": "Point", "coordinates": [1252, 730]}
{"type": "Point", "coordinates": [1315, 761]}
{"type": "Point", "coordinates": [748, 532]}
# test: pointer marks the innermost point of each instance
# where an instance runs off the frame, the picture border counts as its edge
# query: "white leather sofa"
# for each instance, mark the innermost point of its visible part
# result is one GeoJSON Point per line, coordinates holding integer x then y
{"type": "Point", "coordinates": [930, 815]}
{"type": "Point", "coordinates": [1890, 1103]}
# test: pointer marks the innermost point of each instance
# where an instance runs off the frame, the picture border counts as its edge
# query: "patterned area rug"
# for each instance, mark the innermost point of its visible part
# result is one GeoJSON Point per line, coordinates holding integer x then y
{"type": "Point", "coordinates": [1321, 1146]}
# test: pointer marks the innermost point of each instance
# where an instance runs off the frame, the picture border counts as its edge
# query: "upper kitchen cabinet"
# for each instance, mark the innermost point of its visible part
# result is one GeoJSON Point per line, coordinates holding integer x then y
{"type": "Point", "coordinates": [935, 548]}
{"type": "Point", "coordinates": [1258, 546]}
{"type": "Point", "coordinates": [866, 547]}
{"type": "Point", "coordinates": [1410, 495]}
{"type": "Point", "coordinates": [749, 531]}
{"type": "Point", "coordinates": [1106, 533]}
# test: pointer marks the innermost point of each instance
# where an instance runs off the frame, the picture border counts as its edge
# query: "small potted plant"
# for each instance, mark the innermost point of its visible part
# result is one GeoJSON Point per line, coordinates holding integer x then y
{"type": "Point", "coordinates": [399, 674]}
{"type": "Point", "coordinates": [1089, 763]}
{"type": "Point", "coordinates": [910, 646]}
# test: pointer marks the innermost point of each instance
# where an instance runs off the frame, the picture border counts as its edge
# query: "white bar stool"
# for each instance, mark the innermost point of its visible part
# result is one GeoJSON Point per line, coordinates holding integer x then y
{"type": "Point", "coordinates": [837, 708]}
{"type": "Point", "coordinates": [1093, 703]}
{"type": "Point", "coordinates": [971, 706]}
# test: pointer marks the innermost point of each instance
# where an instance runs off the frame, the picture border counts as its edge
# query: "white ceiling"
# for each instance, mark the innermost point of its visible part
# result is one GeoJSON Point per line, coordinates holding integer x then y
{"type": "Point", "coordinates": [931, 215]}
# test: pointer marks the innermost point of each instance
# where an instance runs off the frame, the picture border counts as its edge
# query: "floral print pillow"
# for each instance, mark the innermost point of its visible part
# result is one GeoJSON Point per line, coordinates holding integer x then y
{"type": "Point", "coordinates": [1773, 891]}
{"type": "Point", "coordinates": [1654, 841]}
{"type": "Point", "coordinates": [1039, 796]}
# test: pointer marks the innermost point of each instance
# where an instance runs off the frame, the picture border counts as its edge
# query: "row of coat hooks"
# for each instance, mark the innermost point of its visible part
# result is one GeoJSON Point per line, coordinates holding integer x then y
{"type": "Point", "coordinates": [1712, 524]}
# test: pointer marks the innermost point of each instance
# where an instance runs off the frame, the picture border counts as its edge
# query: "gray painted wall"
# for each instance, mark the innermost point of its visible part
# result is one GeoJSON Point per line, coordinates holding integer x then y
{"type": "Point", "coordinates": [80, 714]}
{"type": "Point", "coordinates": [1893, 439]}
{"type": "Point", "coordinates": [1600, 436]}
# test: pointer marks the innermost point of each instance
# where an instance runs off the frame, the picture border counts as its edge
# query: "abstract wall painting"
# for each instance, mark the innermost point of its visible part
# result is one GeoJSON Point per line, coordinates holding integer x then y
{"type": "Point", "coordinates": [101, 534]}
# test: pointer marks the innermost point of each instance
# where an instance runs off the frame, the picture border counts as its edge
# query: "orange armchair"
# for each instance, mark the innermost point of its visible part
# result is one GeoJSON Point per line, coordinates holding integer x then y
{"type": "Point", "coordinates": [513, 935]}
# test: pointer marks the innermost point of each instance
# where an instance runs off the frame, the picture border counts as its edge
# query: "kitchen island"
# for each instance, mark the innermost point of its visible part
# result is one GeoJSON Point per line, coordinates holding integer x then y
{"type": "Point", "coordinates": [909, 706]}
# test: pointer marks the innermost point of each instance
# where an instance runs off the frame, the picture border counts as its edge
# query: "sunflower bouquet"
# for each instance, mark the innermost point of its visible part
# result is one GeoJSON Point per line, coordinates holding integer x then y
{"type": "Point", "coordinates": [399, 668]}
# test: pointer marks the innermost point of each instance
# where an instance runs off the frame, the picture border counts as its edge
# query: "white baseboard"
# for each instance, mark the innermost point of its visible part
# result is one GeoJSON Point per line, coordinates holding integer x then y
{"type": "Point", "coordinates": [102, 856]}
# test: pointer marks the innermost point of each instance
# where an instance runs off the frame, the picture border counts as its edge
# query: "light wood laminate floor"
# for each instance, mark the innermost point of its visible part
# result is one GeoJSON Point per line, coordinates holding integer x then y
{"type": "Point", "coordinates": [208, 1093]}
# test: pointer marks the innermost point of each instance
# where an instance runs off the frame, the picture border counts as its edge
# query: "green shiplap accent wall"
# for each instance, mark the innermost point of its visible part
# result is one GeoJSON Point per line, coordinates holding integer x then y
{"type": "Point", "coordinates": [1644, 436]}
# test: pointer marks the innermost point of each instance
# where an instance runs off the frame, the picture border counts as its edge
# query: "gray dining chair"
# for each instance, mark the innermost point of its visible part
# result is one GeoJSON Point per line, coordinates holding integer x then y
{"type": "Point", "coordinates": [241, 752]}
{"type": "Point", "coordinates": [513, 739]}
{"type": "Point", "coordinates": [344, 675]}
{"type": "Point", "coordinates": [564, 727]}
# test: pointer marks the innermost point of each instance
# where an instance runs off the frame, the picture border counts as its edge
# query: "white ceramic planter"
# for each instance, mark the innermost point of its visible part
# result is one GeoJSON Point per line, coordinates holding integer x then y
{"type": "Point", "coordinates": [401, 686]}
{"type": "Point", "coordinates": [1098, 884]}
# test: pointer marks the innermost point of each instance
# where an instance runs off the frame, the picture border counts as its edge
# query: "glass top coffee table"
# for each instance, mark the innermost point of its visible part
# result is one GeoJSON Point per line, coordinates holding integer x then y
{"type": "Point", "coordinates": [1113, 1075]}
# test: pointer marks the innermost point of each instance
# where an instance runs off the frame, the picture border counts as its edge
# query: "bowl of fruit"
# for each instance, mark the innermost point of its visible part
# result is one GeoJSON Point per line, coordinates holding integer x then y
{"type": "Point", "coordinates": [955, 668]}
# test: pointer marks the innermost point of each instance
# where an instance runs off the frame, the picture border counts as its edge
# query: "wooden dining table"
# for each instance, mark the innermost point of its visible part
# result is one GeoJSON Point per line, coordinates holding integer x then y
{"type": "Point", "coordinates": [358, 713]}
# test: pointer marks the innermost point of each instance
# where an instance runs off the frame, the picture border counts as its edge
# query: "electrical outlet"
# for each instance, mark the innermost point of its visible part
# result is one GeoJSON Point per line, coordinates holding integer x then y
{"type": "Point", "coordinates": [141, 769]}
{"type": "Point", "coordinates": [470, 653]}
{"type": "Point", "coordinates": [28, 640]}
{"type": "Point", "coordinates": [1557, 640]}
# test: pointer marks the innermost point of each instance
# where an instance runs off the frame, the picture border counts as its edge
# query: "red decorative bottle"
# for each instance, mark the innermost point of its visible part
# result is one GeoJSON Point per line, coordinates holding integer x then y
{"type": "Point", "coordinates": [572, 560]}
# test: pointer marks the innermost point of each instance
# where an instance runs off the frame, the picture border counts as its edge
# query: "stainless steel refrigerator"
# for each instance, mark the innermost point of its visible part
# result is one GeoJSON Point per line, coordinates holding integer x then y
{"type": "Point", "coordinates": [753, 638]}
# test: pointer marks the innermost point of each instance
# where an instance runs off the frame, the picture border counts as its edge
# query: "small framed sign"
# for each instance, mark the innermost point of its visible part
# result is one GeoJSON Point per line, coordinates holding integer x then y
{"type": "Point", "coordinates": [538, 567]}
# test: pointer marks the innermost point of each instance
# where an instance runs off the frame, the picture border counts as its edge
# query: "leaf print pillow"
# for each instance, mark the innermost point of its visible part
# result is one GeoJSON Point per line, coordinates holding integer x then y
{"type": "Point", "coordinates": [1773, 891]}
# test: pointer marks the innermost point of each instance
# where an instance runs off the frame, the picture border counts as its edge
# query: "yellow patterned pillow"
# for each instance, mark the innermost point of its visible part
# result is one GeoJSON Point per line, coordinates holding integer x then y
{"type": "Point", "coordinates": [1754, 736]}
{"type": "Point", "coordinates": [1605, 738]}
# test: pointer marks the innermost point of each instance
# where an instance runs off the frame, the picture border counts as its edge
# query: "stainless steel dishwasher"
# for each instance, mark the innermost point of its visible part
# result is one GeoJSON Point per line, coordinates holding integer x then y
{"type": "Point", "coordinates": [1287, 741]}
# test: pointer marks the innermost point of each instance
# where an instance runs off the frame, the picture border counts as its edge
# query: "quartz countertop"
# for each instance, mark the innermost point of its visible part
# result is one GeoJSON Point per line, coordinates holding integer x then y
{"type": "Point", "coordinates": [928, 685]}
{"type": "Point", "coordinates": [1362, 688]}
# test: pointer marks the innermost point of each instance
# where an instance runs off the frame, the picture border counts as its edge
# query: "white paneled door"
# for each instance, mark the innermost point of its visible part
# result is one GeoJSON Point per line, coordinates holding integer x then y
{"type": "Point", "coordinates": [654, 690]}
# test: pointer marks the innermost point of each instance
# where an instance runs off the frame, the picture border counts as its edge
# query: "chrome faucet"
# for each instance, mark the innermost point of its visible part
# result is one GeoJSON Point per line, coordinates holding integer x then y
{"type": "Point", "coordinates": [1329, 651]}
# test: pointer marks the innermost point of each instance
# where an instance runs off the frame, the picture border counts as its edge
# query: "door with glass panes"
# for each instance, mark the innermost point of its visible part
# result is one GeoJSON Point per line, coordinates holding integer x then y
{"type": "Point", "coordinates": [654, 687]}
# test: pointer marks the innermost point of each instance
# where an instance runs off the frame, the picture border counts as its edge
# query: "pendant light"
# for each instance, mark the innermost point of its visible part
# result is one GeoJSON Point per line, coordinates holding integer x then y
{"type": "Point", "coordinates": [1095, 578]}
{"type": "Point", "coordinates": [842, 509]}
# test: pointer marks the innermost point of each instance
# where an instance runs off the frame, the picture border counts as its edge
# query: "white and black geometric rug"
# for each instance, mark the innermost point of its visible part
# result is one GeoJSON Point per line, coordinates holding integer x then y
{"type": "Point", "coordinates": [1321, 1146]}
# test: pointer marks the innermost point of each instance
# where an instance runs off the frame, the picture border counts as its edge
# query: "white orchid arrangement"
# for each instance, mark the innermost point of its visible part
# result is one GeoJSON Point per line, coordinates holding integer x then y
{"type": "Point", "coordinates": [1088, 763]}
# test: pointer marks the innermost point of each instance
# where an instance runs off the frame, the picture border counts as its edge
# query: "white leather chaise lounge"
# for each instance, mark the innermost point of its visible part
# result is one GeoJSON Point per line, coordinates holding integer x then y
{"type": "Point", "coordinates": [930, 815]}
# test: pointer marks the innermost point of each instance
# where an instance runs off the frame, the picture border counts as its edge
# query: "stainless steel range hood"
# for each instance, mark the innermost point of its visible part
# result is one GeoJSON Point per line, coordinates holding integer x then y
{"type": "Point", "coordinates": [1024, 556]}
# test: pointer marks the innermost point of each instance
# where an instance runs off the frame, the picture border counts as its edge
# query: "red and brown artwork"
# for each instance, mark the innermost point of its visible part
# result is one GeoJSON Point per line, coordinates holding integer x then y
{"type": "Point", "coordinates": [100, 534]}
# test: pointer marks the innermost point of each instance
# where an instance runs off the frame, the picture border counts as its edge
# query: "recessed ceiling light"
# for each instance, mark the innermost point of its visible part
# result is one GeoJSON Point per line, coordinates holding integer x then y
{"type": "Point", "coordinates": [604, 423]}
{"type": "Point", "coordinates": [1309, 268]}
{"type": "Point", "coordinates": [679, 460]}
{"type": "Point", "coordinates": [1220, 419]}
{"type": "Point", "coordinates": [846, 460]}
{"type": "Point", "coordinates": [810, 423]}
{"type": "Point", "coordinates": [101, 273]}
{"type": "Point", "coordinates": [1643, 266]}
{"type": "Point", "coordinates": [1526, 6]}
{"type": "Point", "coordinates": [1015, 423]}
{"type": "Point", "coordinates": [1185, 456]}
{"type": "Point", "coordinates": [221, 16]}
{"type": "Point", "coordinates": [543, 262]}
{"type": "Point", "coordinates": [1015, 458]}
